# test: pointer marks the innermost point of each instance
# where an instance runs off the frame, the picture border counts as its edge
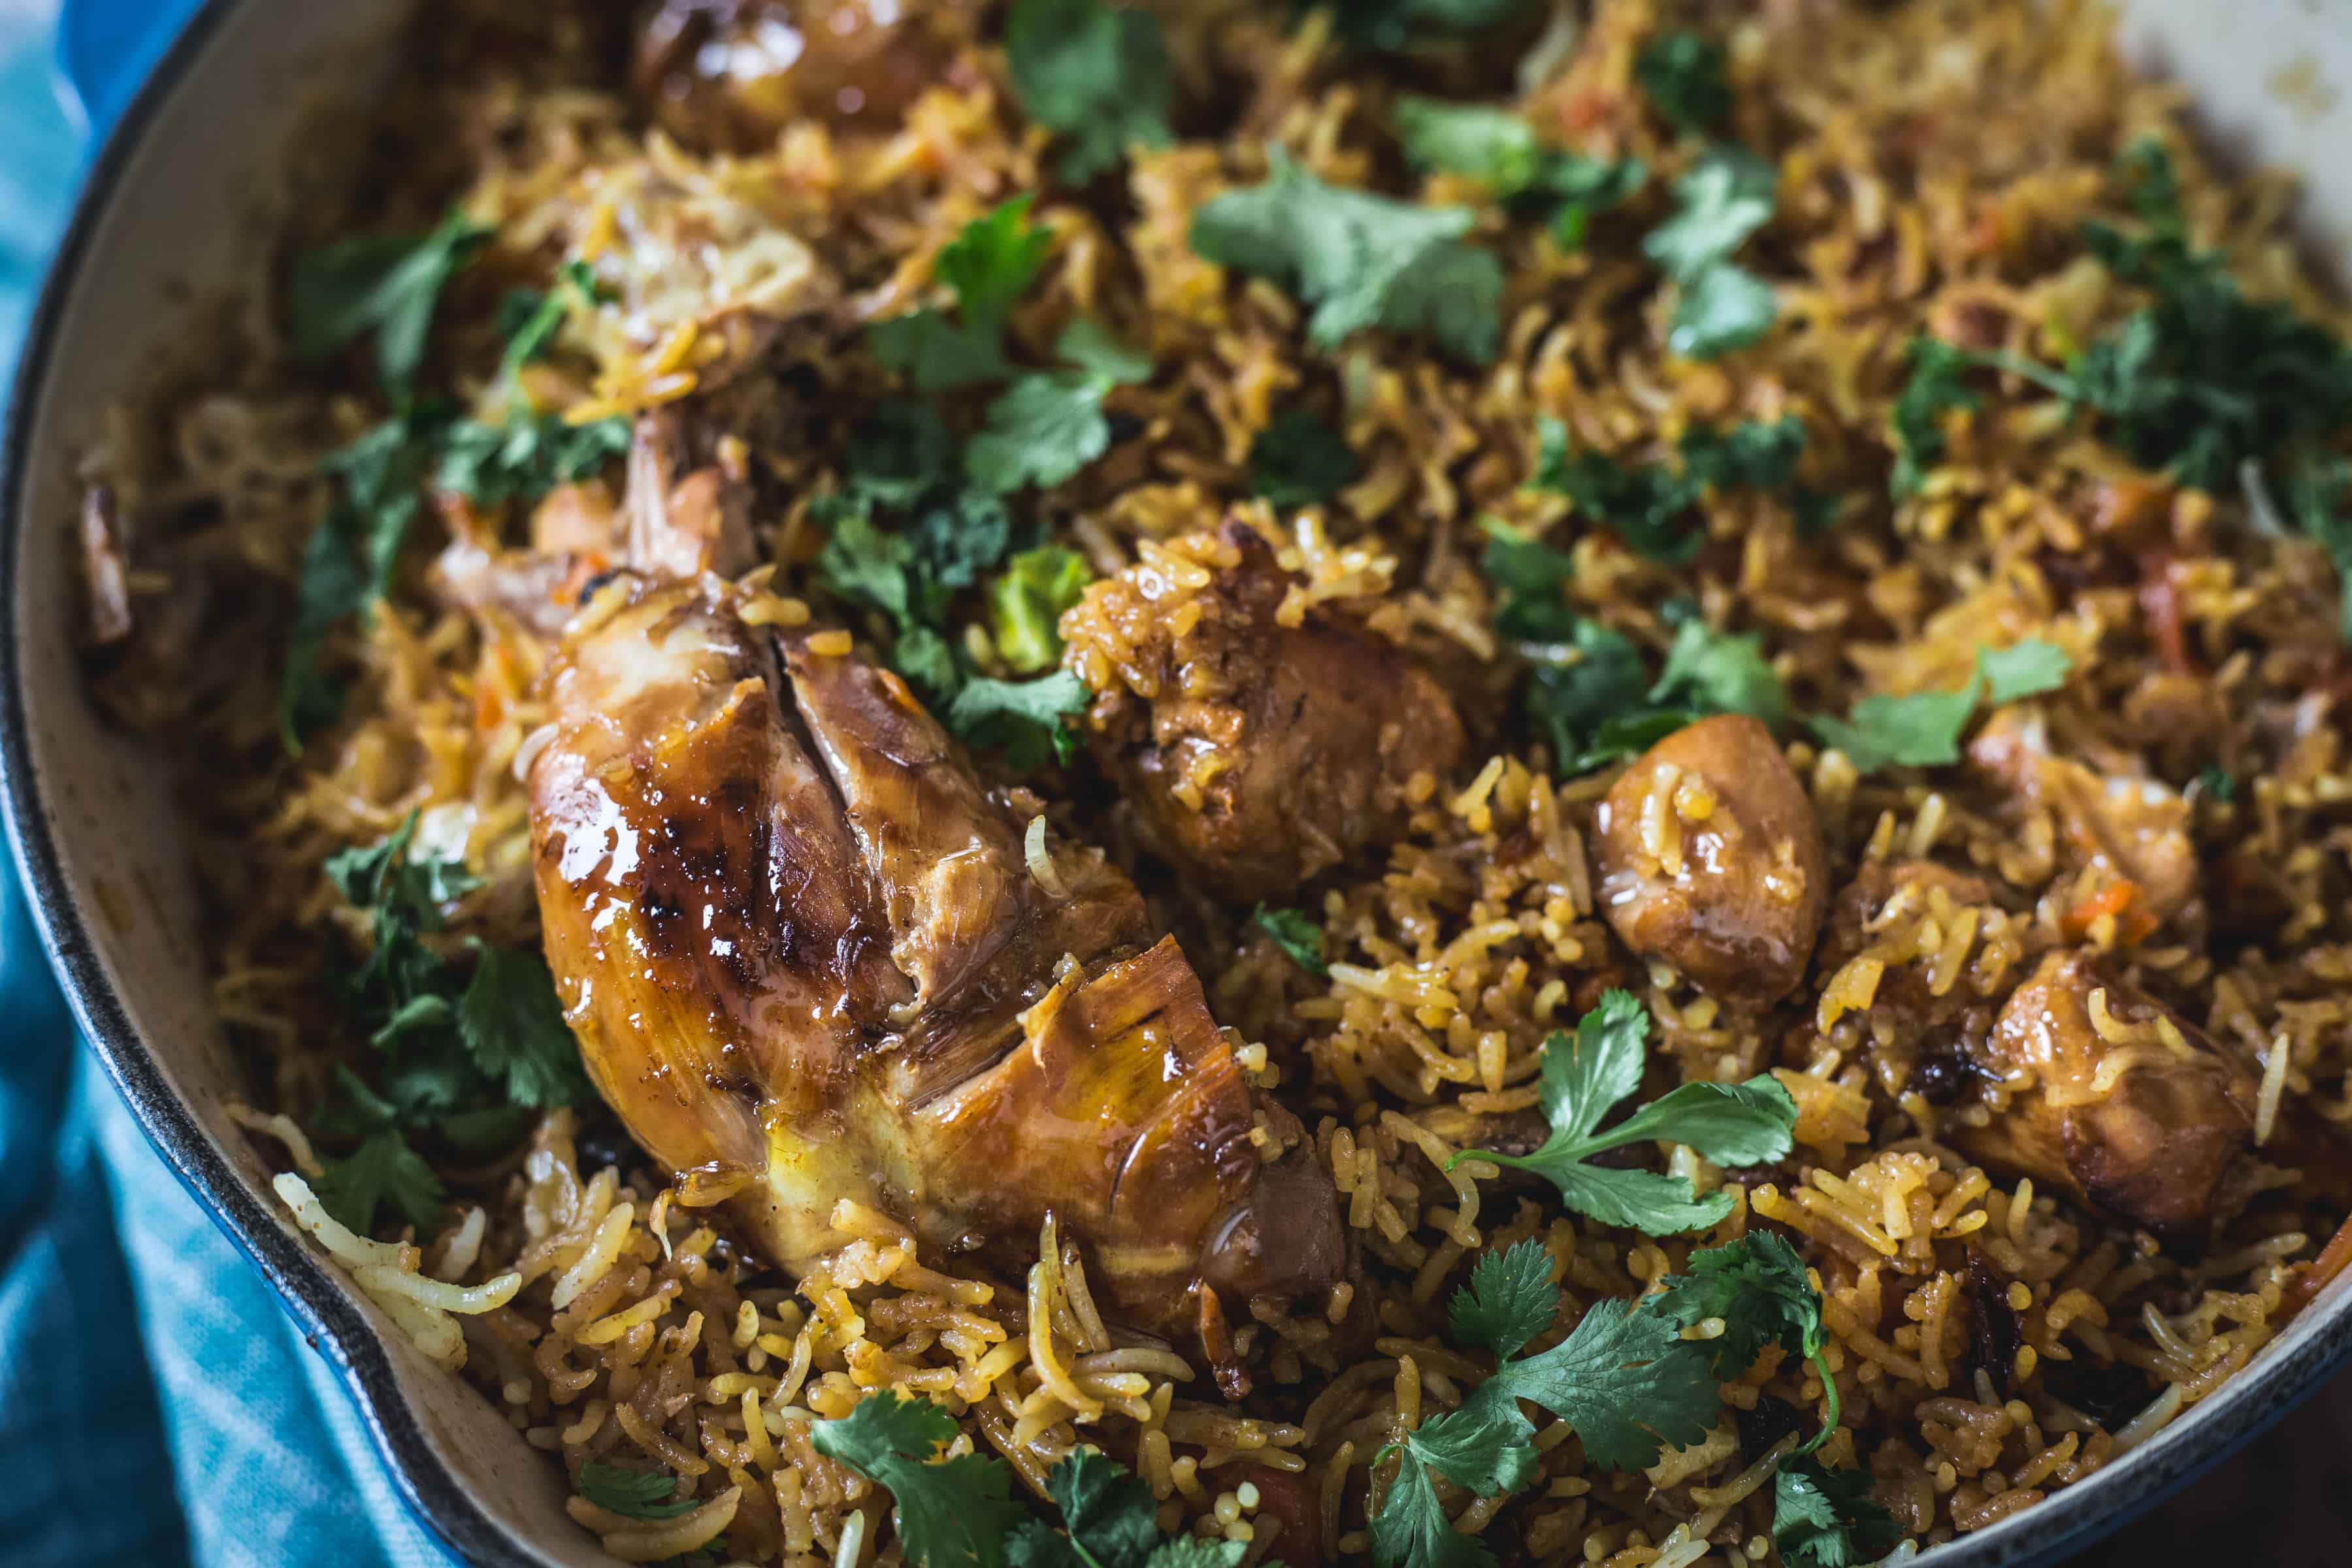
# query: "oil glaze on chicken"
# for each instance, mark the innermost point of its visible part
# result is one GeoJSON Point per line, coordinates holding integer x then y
{"type": "Point", "coordinates": [810, 959]}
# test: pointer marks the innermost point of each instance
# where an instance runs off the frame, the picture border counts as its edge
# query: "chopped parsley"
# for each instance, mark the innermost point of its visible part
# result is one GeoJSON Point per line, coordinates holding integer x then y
{"type": "Point", "coordinates": [1361, 260]}
{"type": "Point", "coordinates": [959, 1512]}
{"type": "Point", "coordinates": [1587, 1073]}
{"type": "Point", "coordinates": [989, 265]}
{"type": "Point", "coordinates": [1653, 506]}
{"type": "Point", "coordinates": [385, 285]}
{"type": "Point", "coordinates": [1025, 604]}
{"type": "Point", "coordinates": [1624, 1380]}
{"type": "Point", "coordinates": [1683, 75]}
{"type": "Point", "coordinates": [1923, 730]}
{"type": "Point", "coordinates": [1299, 460]}
{"type": "Point", "coordinates": [1098, 76]}
{"type": "Point", "coordinates": [632, 1494]}
{"type": "Point", "coordinates": [468, 1057]}
{"type": "Point", "coordinates": [1500, 151]}
{"type": "Point", "coordinates": [1297, 933]}
{"type": "Point", "coordinates": [1719, 306]}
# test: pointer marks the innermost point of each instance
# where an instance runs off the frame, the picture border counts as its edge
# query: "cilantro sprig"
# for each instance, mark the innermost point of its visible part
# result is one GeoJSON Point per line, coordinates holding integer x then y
{"type": "Point", "coordinates": [1758, 1288]}
{"type": "Point", "coordinates": [1098, 76]}
{"type": "Point", "coordinates": [1924, 729]}
{"type": "Point", "coordinates": [632, 1494]}
{"type": "Point", "coordinates": [1623, 1379]}
{"type": "Point", "coordinates": [1500, 149]}
{"type": "Point", "coordinates": [1587, 1073]}
{"type": "Point", "coordinates": [1359, 259]}
{"type": "Point", "coordinates": [1652, 507]}
{"type": "Point", "coordinates": [959, 1512]}
{"type": "Point", "coordinates": [987, 265]}
{"type": "Point", "coordinates": [1719, 305]}
{"type": "Point", "coordinates": [381, 479]}
{"type": "Point", "coordinates": [465, 1057]}
{"type": "Point", "coordinates": [386, 287]}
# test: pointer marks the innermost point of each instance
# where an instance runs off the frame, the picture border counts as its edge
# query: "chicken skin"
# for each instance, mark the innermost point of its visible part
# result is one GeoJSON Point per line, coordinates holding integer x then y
{"type": "Point", "coordinates": [805, 951]}
{"type": "Point", "coordinates": [1257, 753]}
{"type": "Point", "coordinates": [2117, 1102]}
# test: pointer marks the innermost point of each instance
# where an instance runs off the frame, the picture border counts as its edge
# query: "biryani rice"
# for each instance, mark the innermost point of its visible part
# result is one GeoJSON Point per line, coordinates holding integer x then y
{"type": "Point", "coordinates": [1929, 155]}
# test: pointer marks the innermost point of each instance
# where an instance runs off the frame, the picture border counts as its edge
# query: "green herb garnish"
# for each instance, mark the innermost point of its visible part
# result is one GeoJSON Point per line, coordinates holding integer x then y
{"type": "Point", "coordinates": [1361, 260]}
{"type": "Point", "coordinates": [1824, 1518]}
{"type": "Point", "coordinates": [1500, 151]}
{"type": "Point", "coordinates": [1650, 506]}
{"type": "Point", "coordinates": [1048, 424]}
{"type": "Point", "coordinates": [989, 265]}
{"type": "Point", "coordinates": [634, 1494]}
{"type": "Point", "coordinates": [1719, 306]}
{"type": "Point", "coordinates": [1297, 933]}
{"type": "Point", "coordinates": [1298, 460]}
{"type": "Point", "coordinates": [388, 286]}
{"type": "Point", "coordinates": [1683, 75]}
{"type": "Point", "coordinates": [1623, 1379]}
{"type": "Point", "coordinates": [1098, 76]}
{"type": "Point", "coordinates": [1923, 730]}
{"type": "Point", "coordinates": [1586, 1073]}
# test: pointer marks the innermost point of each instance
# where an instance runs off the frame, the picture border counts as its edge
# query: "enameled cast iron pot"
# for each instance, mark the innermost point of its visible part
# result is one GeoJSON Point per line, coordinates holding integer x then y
{"type": "Point", "coordinates": [94, 829]}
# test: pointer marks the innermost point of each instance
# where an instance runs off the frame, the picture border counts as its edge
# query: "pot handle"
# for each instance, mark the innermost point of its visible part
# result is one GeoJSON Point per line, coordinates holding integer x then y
{"type": "Point", "coordinates": [105, 50]}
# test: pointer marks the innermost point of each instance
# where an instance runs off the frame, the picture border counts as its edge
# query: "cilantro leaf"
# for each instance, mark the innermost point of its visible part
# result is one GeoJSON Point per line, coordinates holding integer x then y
{"type": "Point", "coordinates": [1026, 718]}
{"type": "Point", "coordinates": [1758, 1288]}
{"type": "Point", "coordinates": [1648, 506]}
{"type": "Point", "coordinates": [1110, 1514]}
{"type": "Point", "coordinates": [862, 562]}
{"type": "Point", "coordinates": [1936, 386]}
{"type": "Point", "coordinates": [1624, 1379]}
{"type": "Point", "coordinates": [512, 1023]}
{"type": "Point", "coordinates": [1500, 151]}
{"type": "Point", "coordinates": [1361, 260]}
{"type": "Point", "coordinates": [955, 1512]}
{"type": "Point", "coordinates": [385, 285]}
{"type": "Point", "coordinates": [1824, 1518]}
{"type": "Point", "coordinates": [1683, 75]}
{"type": "Point", "coordinates": [527, 456]}
{"type": "Point", "coordinates": [1727, 197]}
{"type": "Point", "coordinates": [1722, 673]}
{"type": "Point", "coordinates": [1585, 1073]}
{"type": "Point", "coordinates": [987, 266]}
{"type": "Point", "coordinates": [1533, 576]}
{"type": "Point", "coordinates": [634, 1494]}
{"type": "Point", "coordinates": [1297, 933]}
{"type": "Point", "coordinates": [531, 333]}
{"type": "Point", "coordinates": [1098, 75]}
{"type": "Point", "coordinates": [1923, 730]}
{"type": "Point", "coordinates": [1410, 1529]}
{"type": "Point", "coordinates": [1510, 1300]}
{"type": "Point", "coordinates": [1025, 604]}
{"type": "Point", "coordinates": [1298, 460]}
{"type": "Point", "coordinates": [382, 1170]}
{"type": "Point", "coordinates": [1047, 426]}
{"type": "Point", "coordinates": [2203, 379]}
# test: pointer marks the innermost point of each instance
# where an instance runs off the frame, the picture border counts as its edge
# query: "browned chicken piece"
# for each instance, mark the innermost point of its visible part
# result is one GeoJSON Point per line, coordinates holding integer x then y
{"type": "Point", "coordinates": [2116, 1101]}
{"type": "Point", "coordinates": [1257, 753]}
{"type": "Point", "coordinates": [729, 75]}
{"type": "Point", "coordinates": [1708, 857]}
{"type": "Point", "coordinates": [804, 951]}
{"type": "Point", "coordinates": [2136, 829]}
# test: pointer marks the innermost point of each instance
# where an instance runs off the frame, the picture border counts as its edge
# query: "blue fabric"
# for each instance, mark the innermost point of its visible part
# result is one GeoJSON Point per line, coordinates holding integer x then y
{"type": "Point", "coordinates": [157, 1405]}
